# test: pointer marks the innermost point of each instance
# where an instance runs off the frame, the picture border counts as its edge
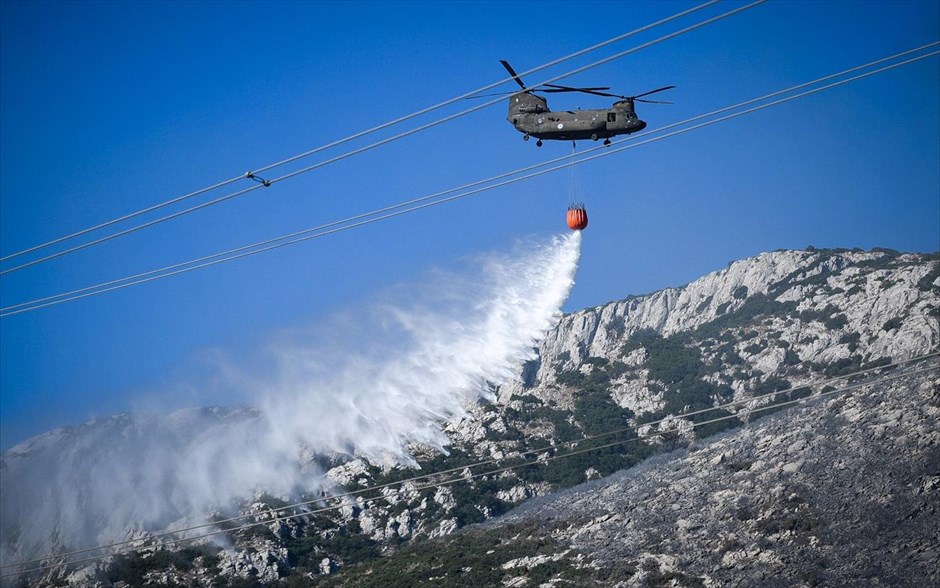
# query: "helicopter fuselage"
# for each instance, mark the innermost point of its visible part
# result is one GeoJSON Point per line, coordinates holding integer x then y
{"type": "Point", "coordinates": [529, 114]}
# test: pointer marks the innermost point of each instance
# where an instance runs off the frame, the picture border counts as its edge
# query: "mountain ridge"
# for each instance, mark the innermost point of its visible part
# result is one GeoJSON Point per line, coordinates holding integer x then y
{"type": "Point", "coordinates": [775, 321]}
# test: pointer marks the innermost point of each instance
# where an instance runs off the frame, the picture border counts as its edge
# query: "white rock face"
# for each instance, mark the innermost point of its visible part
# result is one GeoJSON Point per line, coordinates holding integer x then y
{"type": "Point", "coordinates": [327, 566]}
{"type": "Point", "coordinates": [348, 473]}
{"type": "Point", "coordinates": [444, 496]}
{"type": "Point", "coordinates": [868, 298]}
{"type": "Point", "coordinates": [446, 527]}
{"type": "Point", "coordinates": [843, 491]}
{"type": "Point", "coordinates": [530, 562]}
{"type": "Point", "coordinates": [264, 562]}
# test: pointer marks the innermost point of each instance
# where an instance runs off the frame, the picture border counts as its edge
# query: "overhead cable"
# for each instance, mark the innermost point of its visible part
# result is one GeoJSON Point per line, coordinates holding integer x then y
{"type": "Point", "coordinates": [253, 174]}
{"type": "Point", "coordinates": [434, 199]}
{"type": "Point", "coordinates": [463, 468]}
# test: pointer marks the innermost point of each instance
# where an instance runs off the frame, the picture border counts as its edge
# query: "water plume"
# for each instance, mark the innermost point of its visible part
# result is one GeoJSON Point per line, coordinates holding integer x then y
{"type": "Point", "coordinates": [368, 383]}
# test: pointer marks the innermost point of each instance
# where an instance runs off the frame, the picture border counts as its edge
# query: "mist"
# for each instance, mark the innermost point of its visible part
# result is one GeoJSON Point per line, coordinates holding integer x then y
{"type": "Point", "coordinates": [368, 383]}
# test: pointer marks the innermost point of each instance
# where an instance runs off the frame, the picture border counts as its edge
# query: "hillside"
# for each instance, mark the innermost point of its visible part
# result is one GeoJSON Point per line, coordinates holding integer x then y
{"type": "Point", "coordinates": [770, 494]}
{"type": "Point", "coordinates": [842, 492]}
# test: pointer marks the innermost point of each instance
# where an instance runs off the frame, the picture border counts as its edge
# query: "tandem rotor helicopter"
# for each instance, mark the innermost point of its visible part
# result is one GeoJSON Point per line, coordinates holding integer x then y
{"type": "Point", "coordinates": [530, 115]}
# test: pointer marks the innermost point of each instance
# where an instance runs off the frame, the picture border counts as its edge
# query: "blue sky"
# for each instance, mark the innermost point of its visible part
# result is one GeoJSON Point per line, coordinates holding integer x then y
{"type": "Point", "coordinates": [110, 107]}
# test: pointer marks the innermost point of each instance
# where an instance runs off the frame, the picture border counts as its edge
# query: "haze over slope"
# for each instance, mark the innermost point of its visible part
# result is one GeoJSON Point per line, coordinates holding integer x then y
{"type": "Point", "coordinates": [412, 361]}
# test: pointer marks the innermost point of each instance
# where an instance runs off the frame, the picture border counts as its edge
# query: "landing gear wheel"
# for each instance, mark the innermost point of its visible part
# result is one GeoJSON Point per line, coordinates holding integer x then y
{"type": "Point", "coordinates": [594, 137]}
{"type": "Point", "coordinates": [538, 143]}
{"type": "Point", "coordinates": [606, 141]}
{"type": "Point", "coordinates": [525, 137]}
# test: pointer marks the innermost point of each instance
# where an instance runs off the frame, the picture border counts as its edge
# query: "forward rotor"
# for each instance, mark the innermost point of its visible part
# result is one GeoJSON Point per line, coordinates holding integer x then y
{"type": "Point", "coordinates": [546, 88]}
{"type": "Point", "coordinates": [637, 98]}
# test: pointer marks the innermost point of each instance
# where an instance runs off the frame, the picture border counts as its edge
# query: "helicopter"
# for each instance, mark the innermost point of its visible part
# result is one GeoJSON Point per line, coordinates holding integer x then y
{"type": "Point", "coordinates": [530, 115]}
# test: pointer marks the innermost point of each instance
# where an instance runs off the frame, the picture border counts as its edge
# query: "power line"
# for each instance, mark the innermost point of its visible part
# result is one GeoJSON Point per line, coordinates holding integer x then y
{"type": "Point", "coordinates": [399, 210]}
{"type": "Point", "coordinates": [746, 411]}
{"type": "Point", "coordinates": [347, 139]}
{"type": "Point", "coordinates": [270, 244]}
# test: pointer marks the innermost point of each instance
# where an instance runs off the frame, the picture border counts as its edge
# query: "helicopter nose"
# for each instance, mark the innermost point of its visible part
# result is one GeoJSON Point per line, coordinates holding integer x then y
{"type": "Point", "coordinates": [639, 125]}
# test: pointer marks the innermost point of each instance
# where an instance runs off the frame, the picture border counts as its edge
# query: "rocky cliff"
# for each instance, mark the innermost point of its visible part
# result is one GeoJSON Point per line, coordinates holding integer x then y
{"type": "Point", "coordinates": [845, 492]}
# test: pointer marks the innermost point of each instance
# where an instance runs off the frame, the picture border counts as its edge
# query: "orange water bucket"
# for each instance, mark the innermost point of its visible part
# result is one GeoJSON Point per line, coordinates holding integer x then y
{"type": "Point", "coordinates": [577, 217]}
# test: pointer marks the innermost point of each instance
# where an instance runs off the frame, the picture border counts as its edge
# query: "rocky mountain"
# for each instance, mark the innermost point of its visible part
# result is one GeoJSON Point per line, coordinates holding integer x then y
{"type": "Point", "coordinates": [797, 497]}
{"type": "Point", "coordinates": [842, 492]}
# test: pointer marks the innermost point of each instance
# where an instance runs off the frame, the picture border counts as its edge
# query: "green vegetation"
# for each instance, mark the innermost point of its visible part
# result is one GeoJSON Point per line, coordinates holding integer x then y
{"type": "Point", "coordinates": [755, 348]}
{"type": "Point", "coordinates": [755, 306]}
{"type": "Point", "coordinates": [925, 284]}
{"type": "Point", "coordinates": [891, 324]}
{"type": "Point", "coordinates": [596, 361]}
{"type": "Point", "coordinates": [814, 274]}
{"type": "Point", "coordinates": [819, 315]}
{"type": "Point", "coordinates": [705, 304]}
{"type": "Point", "coordinates": [791, 357]}
{"type": "Point", "coordinates": [564, 430]}
{"type": "Point", "coordinates": [680, 367]}
{"type": "Point", "coordinates": [472, 498]}
{"type": "Point", "coordinates": [597, 413]}
{"type": "Point", "coordinates": [464, 559]}
{"type": "Point", "coordinates": [836, 321]}
{"type": "Point", "coordinates": [572, 378]}
{"type": "Point", "coordinates": [616, 327]}
{"type": "Point", "coordinates": [133, 567]}
{"type": "Point", "coordinates": [605, 455]}
{"type": "Point", "coordinates": [850, 339]}
{"type": "Point", "coordinates": [848, 365]}
{"type": "Point", "coordinates": [346, 544]}
{"type": "Point", "coordinates": [669, 360]}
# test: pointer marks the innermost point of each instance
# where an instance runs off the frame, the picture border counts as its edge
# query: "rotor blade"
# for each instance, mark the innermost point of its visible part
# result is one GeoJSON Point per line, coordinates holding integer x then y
{"type": "Point", "coordinates": [652, 101]}
{"type": "Point", "coordinates": [557, 90]}
{"type": "Point", "coordinates": [513, 73]}
{"type": "Point", "coordinates": [587, 91]}
{"type": "Point", "coordinates": [493, 94]}
{"type": "Point", "coordinates": [571, 89]}
{"type": "Point", "coordinates": [584, 90]}
{"type": "Point", "coordinates": [654, 91]}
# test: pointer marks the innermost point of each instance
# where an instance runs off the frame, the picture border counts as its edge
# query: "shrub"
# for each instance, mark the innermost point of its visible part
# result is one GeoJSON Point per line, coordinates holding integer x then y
{"type": "Point", "coordinates": [791, 357]}
{"type": "Point", "coordinates": [844, 366]}
{"type": "Point", "coordinates": [836, 321]}
{"type": "Point", "coordinates": [823, 315]}
{"type": "Point", "coordinates": [597, 413]}
{"type": "Point", "coordinates": [668, 359]}
{"type": "Point", "coordinates": [705, 303]}
{"type": "Point", "coordinates": [753, 307]}
{"type": "Point", "coordinates": [571, 378]}
{"type": "Point", "coordinates": [754, 348]}
{"type": "Point", "coordinates": [891, 324]}
{"type": "Point", "coordinates": [850, 339]}
{"type": "Point", "coordinates": [926, 283]}
{"type": "Point", "coordinates": [615, 327]}
{"type": "Point", "coordinates": [596, 361]}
